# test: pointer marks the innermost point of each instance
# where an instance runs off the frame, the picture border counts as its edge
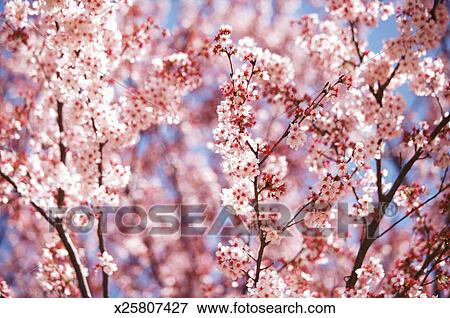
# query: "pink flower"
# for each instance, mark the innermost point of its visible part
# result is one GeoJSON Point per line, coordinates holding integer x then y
{"type": "Point", "coordinates": [107, 264]}
{"type": "Point", "coordinates": [297, 136]}
{"type": "Point", "coordinates": [234, 259]}
{"type": "Point", "coordinates": [16, 12]}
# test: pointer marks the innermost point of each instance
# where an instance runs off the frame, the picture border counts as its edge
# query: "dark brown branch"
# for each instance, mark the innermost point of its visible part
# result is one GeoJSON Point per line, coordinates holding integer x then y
{"type": "Point", "coordinates": [423, 283]}
{"type": "Point", "coordinates": [435, 255]}
{"type": "Point", "coordinates": [38, 208]}
{"type": "Point", "coordinates": [57, 224]}
{"type": "Point", "coordinates": [262, 237]}
{"type": "Point", "coordinates": [438, 102]}
{"type": "Point", "coordinates": [74, 259]}
{"type": "Point", "coordinates": [101, 243]}
{"type": "Point", "coordinates": [433, 9]}
{"type": "Point", "coordinates": [379, 180]}
{"type": "Point", "coordinates": [441, 189]}
{"type": "Point", "coordinates": [373, 226]}
{"type": "Point", "coordinates": [370, 236]}
{"type": "Point", "coordinates": [262, 246]}
{"type": "Point", "coordinates": [356, 42]}
{"type": "Point", "coordinates": [407, 167]}
{"type": "Point", "coordinates": [292, 221]}
{"type": "Point", "coordinates": [323, 93]}
{"type": "Point", "coordinates": [230, 63]}
{"type": "Point", "coordinates": [62, 150]}
{"type": "Point", "coordinates": [382, 87]}
{"type": "Point", "coordinates": [412, 211]}
{"type": "Point", "coordinates": [100, 234]}
{"type": "Point", "coordinates": [66, 240]}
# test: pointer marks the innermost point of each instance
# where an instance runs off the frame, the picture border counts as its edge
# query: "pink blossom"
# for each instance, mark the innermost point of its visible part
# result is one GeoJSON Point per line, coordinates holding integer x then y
{"type": "Point", "coordinates": [107, 263]}
{"type": "Point", "coordinates": [232, 106]}
{"type": "Point", "coordinates": [297, 137]}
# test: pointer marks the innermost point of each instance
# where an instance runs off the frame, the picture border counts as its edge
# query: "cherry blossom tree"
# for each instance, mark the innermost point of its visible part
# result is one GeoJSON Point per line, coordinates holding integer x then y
{"type": "Point", "coordinates": [237, 106]}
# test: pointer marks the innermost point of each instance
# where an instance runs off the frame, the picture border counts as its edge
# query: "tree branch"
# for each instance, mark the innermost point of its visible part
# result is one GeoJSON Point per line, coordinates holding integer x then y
{"type": "Point", "coordinates": [101, 240]}
{"type": "Point", "coordinates": [66, 240]}
{"type": "Point", "coordinates": [373, 226]}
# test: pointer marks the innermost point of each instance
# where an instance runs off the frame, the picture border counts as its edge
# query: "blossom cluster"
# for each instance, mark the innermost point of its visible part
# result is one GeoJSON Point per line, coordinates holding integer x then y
{"type": "Point", "coordinates": [55, 273]}
{"type": "Point", "coordinates": [297, 137]}
{"type": "Point", "coordinates": [270, 285]}
{"type": "Point", "coordinates": [102, 105]}
{"type": "Point", "coordinates": [107, 263]}
{"type": "Point", "coordinates": [234, 259]}
{"type": "Point", "coordinates": [366, 12]}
